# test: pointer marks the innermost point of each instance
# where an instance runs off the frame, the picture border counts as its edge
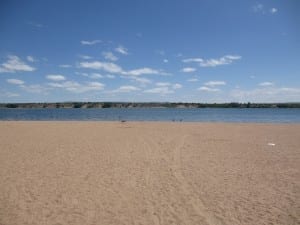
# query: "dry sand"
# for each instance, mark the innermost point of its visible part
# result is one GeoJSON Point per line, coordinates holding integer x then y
{"type": "Point", "coordinates": [149, 173]}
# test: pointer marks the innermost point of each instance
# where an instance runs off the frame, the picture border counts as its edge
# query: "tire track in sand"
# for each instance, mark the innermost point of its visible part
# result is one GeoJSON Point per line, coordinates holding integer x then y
{"type": "Point", "coordinates": [196, 202]}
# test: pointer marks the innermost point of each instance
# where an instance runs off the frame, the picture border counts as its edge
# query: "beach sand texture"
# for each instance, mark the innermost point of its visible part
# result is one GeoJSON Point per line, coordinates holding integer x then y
{"type": "Point", "coordinates": [84, 173]}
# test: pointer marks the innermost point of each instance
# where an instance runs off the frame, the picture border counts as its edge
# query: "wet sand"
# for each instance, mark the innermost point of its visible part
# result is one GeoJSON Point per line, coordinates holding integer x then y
{"type": "Point", "coordinates": [149, 173]}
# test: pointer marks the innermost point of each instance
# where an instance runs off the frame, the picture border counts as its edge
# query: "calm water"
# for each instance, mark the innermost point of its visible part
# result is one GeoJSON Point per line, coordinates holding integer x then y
{"type": "Point", "coordinates": [156, 114]}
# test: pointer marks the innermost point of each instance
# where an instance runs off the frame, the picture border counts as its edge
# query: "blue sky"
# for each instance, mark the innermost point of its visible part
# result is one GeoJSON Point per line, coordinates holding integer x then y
{"type": "Point", "coordinates": [189, 50]}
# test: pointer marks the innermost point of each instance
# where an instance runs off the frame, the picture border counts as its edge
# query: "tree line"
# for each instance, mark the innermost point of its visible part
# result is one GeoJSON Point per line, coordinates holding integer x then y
{"type": "Point", "coordinates": [148, 105]}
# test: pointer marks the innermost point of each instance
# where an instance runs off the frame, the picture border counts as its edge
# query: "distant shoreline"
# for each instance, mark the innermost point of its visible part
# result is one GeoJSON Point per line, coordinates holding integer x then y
{"type": "Point", "coordinates": [146, 105]}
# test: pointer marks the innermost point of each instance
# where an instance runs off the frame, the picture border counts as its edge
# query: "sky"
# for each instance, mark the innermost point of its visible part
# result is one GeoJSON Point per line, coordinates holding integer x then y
{"type": "Point", "coordinates": [150, 51]}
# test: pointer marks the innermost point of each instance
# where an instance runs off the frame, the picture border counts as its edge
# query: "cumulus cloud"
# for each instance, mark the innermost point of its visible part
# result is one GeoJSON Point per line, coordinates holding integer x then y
{"type": "Point", "coordinates": [109, 56]}
{"type": "Point", "coordinates": [93, 42]}
{"type": "Point", "coordinates": [116, 69]}
{"type": "Point", "coordinates": [122, 50]}
{"type": "Point", "coordinates": [164, 88]}
{"type": "Point", "coordinates": [106, 66]}
{"type": "Point", "coordinates": [126, 88]}
{"type": "Point", "coordinates": [208, 89]}
{"type": "Point", "coordinates": [86, 57]}
{"type": "Point", "coordinates": [215, 83]}
{"type": "Point", "coordinates": [163, 84]}
{"type": "Point", "coordinates": [188, 69]}
{"type": "Point", "coordinates": [160, 90]}
{"type": "Point", "coordinates": [35, 88]}
{"type": "Point", "coordinates": [192, 60]}
{"type": "Point", "coordinates": [15, 81]}
{"type": "Point", "coordinates": [55, 77]}
{"type": "Point", "coordinates": [267, 94]}
{"type": "Point", "coordinates": [15, 64]}
{"type": "Point", "coordinates": [141, 80]}
{"type": "Point", "coordinates": [9, 94]}
{"type": "Point", "coordinates": [96, 76]}
{"type": "Point", "coordinates": [266, 84]}
{"type": "Point", "coordinates": [141, 71]}
{"type": "Point", "coordinates": [227, 59]}
{"type": "Point", "coordinates": [77, 87]}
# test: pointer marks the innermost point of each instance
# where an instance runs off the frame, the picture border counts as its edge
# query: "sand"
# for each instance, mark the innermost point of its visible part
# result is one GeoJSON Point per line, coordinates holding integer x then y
{"type": "Point", "coordinates": [149, 173]}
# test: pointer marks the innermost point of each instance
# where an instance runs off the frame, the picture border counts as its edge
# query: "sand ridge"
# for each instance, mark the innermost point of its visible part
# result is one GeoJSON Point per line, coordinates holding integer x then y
{"type": "Point", "coordinates": [149, 173]}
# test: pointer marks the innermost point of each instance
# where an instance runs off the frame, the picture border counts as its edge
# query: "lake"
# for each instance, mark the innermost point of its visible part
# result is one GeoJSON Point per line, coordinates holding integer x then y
{"type": "Point", "coordinates": [268, 115]}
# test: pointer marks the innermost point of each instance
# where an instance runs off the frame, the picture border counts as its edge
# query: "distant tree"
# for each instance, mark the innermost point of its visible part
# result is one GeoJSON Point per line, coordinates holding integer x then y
{"type": "Point", "coordinates": [234, 105]}
{"type": "Point", "coordinates": [107, 105]}
{"type": "Point", "coordinates": [11, 105]}
{"type": "Point", "coordinates": [77, 105]}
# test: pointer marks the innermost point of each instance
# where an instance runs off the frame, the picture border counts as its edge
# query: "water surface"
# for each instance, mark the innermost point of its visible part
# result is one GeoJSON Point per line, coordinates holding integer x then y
{"type": "Point", "coordinates": [269, 115]}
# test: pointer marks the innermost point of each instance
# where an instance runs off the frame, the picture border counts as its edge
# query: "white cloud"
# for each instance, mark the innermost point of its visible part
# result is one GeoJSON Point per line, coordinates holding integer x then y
{"type": "Point", "coordinates": [15, 81]}
{"type": "Point", "coordinates": [76, 87]}
{"type": "Point", "coordinates": [192, 60]}
{"type": "Point", "coordinates": [208, 89]}
{"type": "Point", "coordinates": [93, 42]}
{"type": "Point", "coordinates": [15, 64]}
{"type": "Point", "coordinates": [110, 56]}
{"type": "Point", "coordinates": [114, 68]}
{"type": "Point", "coordinates": [65, 66]}
{"type": "Point", "coordinates": [266, 84]}
{"type": "Point", "coordinates": [188, 69]}
{"type": "Point", "coordinates": [215, 83]}
{"type": "Point", "coordinates": [267, 94]}
{"type": "Point", "coordinates": [30, 58]}
{"type": "Point", "coordinates": [35, 88]}
{"type": "Point", "coordinates": [163, 84]}
{"type": "Point", "coordinates": [55, 77]}
{"type": "Point", "coordinates": [141, 71]}
{"type": "Point", "coordinates": [106, 66]}
{"type": "Point", "coordinates": [110, 76]}
{"type": "Point", "coordinates": [192, 80]}
{"type": "Point", "coordinates": [126, 88]}
{"type": "Point", "coordinates": [96, 76]}
{"type": "Point", "coordinates": [122, 50]}
{"type": "Point", "coordinates": [167, 84]}
{"type": "Point", "coordinates": [165, 60]}
{"type": "Point", "coordinates": [9, 94]}
{"type": "Point", "coordinates": [227, 59]}
{"type": "Point", "coordinates": [176, 86]}
{"type": "Point", "coordinates": [141, 80]}
{"type": "Point", "coordinates": [273, 10]}
{"type": "Point", "coordinates": [85, 57]}
{"type": "Point", "coordinates": [159, 90]}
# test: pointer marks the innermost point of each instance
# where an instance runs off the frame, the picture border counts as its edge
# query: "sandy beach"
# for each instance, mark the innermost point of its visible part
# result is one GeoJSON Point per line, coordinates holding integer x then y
{"type": "Point", "coordinates": [88, 173]}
